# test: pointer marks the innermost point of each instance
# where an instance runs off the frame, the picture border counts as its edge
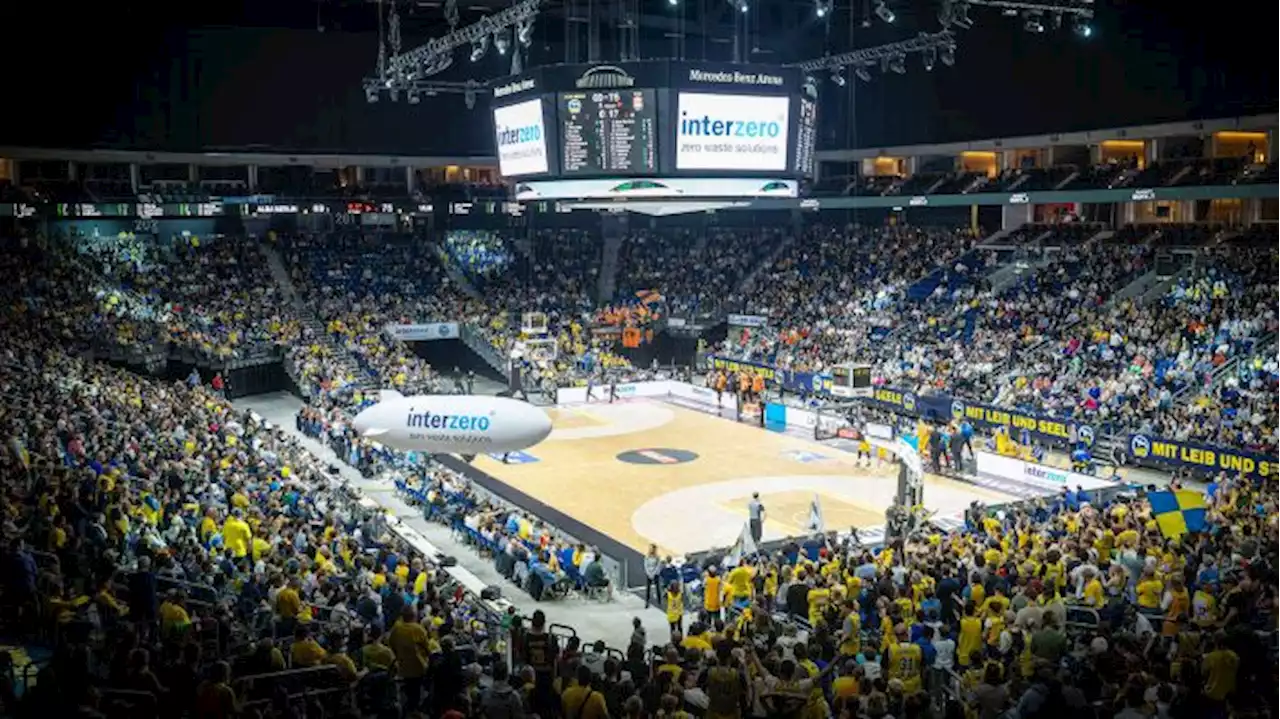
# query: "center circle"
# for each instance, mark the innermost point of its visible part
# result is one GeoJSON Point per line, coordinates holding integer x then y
{"type": "Point", "coordinates": [657, 455]}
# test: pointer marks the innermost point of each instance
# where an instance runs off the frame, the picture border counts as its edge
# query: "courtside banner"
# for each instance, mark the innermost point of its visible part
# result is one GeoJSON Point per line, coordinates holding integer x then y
{"type": "Point", "coordinates": [944, 407]}
{"type": "Point", "coordinates": [424, 332]}
{"type": "Point", "coordinates": [789, 380]}
{"type": "Point", "coordinates": [1204, 457]}
{"type": "Point", "coordinates": [747, 321]}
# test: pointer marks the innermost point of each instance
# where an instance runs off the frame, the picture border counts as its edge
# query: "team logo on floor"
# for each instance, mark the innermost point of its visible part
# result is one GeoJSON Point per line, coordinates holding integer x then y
{"type": "Point", "coordinates": [806, 457]}
{"type": "Point", "coordinates": [657, 456]}
{"type": "Point", "coordinates": [515, 457]}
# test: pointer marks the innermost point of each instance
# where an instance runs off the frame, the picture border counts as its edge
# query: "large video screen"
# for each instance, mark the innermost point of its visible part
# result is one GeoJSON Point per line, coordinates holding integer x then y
{"type": "Point", "coordinates": [607, 131]}
{"type": "Point", "coordinates": [731, 132]}
{"type": "Point", "coordinates": [522, 138]}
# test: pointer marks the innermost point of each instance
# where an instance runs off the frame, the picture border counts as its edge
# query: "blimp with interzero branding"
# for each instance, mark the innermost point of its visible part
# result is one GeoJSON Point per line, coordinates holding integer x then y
{"type": "Point", "coordinates": [453, 424]}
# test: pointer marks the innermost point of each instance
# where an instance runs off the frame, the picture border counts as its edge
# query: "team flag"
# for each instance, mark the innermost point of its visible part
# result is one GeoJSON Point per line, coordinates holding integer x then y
{"type": "Point", "coordinates": [744, 547]}
{"type": "Point", "coordinates": [1178, 513]}
{"type": "Point", "coordinates": [815, 525]}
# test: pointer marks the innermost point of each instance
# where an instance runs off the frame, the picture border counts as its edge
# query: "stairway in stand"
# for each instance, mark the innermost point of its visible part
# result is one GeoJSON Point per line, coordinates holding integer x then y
{"type": "Point", "coordinates": [313, 324]}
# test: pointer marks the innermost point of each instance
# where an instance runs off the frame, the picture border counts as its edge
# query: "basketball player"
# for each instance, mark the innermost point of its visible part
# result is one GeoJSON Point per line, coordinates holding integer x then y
{"type": "Point", "coordinates": [613, 389]}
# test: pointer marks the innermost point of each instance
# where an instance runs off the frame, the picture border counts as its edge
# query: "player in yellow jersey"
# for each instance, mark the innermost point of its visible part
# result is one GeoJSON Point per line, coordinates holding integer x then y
{"type": "Point", "coordinates": [1149, 590]}
{"type": "Point", "coordinates": [851, 632]}
{"type": "Point", "coordinates": [675, 607]}
{"type": "Point", "coordinates": [904, 661]}
{"type": "Point", "coordinates": [970, 634]}
{"type": "Point", "coordinates": [712, 594]}
{"type": "Point", "coordinates": [819, 596]}
{"type": "Point", "coordinates": [1177, 607]}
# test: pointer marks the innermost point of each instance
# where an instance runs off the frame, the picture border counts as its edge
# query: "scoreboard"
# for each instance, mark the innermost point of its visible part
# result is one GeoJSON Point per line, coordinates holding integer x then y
{"type": "Point", "coordinates": [671, 121]}
{"type": "Point", "coordinates": [608, 131]}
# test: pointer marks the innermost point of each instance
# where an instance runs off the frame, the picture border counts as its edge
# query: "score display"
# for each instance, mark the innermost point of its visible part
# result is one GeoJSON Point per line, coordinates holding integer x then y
{"type": "Point", "coordinates": [608, 131]}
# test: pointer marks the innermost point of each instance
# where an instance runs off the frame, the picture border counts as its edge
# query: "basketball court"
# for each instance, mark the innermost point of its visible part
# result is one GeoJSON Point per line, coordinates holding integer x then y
{"type": "Point", "coordinates": [644, 471]}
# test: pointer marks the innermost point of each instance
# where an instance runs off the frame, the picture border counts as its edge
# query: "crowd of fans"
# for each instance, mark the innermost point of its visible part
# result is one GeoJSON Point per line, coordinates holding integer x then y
{"type": "Point", "coordinates": [1129, 362]}
{"type": "Point", "coordinates": [695, 271]}
{"type": "Point", "coordinates": [179, 555]}
{"type": "Point", "coordinates": [211, 296]}
{"type": "Point", "coordinates": [184, 558]}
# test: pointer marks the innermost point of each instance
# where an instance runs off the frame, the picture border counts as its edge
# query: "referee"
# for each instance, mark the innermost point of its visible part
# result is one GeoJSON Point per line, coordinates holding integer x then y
{"type": "Point", "coordinates": [755, 512]}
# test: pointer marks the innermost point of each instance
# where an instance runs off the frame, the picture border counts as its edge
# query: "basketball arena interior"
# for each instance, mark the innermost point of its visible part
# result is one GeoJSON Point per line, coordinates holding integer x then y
{"type": "Point", "coordinates": [907, 359]}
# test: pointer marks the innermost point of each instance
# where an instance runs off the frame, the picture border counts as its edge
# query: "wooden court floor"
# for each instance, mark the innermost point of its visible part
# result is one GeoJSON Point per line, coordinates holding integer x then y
{"type": "Point", "coordinates": [643, 471]}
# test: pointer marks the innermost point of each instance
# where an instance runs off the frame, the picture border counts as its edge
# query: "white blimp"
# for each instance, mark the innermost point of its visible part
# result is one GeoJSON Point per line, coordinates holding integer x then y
{"type": "Point", "coordinates": [453, 424]}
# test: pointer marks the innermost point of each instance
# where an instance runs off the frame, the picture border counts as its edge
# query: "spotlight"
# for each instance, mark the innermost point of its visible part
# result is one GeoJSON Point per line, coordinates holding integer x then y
{"type": "Point", "coordinates": [743, 7]}
{"type": "Point", "coordinates": [884, 13]}
{"type": "Point", "coordinates": [862, 73]}
{"type": "Point", "coordinates": [414, 98]}
{"type": "Point", "coordinates": [524, 32]}
{"type": "Point", "coordinates": [837, 76]}
{"type": "Point", "coordinates": [820, 11]}
{"type": "Point", "coordinates": [930, 57]}
{"type": "Point", "coordinates": [370, 95]}
{"type": "Point", "coordinates": [479, 48]}
{"type": "Point", "coordinates": [898, 64]}
{"type": "Point", "coordinates": [1033, 23]}
{"type": "Point", "coordinates": [1083, 28]}
{"type": "Point", "coordinates": [823, 8]}
{"type": "Point", "coordinates": [960, 18]}
{"type": "Point", "coordinates": [501, 42]}
{"type": "Point", "coordinates": [673, 3]}
{"type": "Point", "coordinates": [394, 95]}
{"type": "Point", "coordinates": [948, 55]}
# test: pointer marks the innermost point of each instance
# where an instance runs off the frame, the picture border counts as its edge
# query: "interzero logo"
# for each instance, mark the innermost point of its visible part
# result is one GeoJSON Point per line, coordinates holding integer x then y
{"type": "Point", "coordinates": [518, 135]}
{"type": "Point", "coordinates": [707, 126]}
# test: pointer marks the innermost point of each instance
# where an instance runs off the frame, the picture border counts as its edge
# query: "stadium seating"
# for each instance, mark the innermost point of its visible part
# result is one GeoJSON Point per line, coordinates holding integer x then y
{"type": "Point", "coordinates": [183, 558]}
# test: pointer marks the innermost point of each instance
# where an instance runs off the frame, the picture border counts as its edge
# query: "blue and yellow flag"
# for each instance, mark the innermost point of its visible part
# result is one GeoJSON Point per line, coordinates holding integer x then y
{"type": "Point", "coordinates": [1178, 513]}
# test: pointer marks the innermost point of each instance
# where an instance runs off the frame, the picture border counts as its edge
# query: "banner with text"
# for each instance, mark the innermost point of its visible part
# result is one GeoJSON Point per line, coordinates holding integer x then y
{"type": "Point", "coordinates": [789, 380]}
{"type": "Point", "coordinates": [1204, 457]}
{"type": "Point", "coordinates": [747, 321]}
{"type": "Point", "coordinates": [942, 407]}
{"type": "Point", "coordinates": [424, 332]}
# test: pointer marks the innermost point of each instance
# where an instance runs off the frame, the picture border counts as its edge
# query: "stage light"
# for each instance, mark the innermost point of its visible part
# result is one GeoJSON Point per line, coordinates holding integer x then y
{"type": "Point", "coordinates": [862, 73]}
{"type": "Point", "coordinates": [837, 76]}
{"type": "Point", "coordinates": [1034, 23]}
{"type": "Point", "coordinates": [414, 98]}
{"type": "Point", "coordinates": [884, 13]}
{"type": "Point", "coordinates": [960, 18]}
{"type": "Point", "coordinates": [823, 8]}
{"type": "Point", "coordinates": [743, 7]}
{"type": "Point", "coordinates": [524, 33]}
{"type": "Point", "coordinates": [1083, 28]}
{"type": "Point", "coordinates": [898, 64]}
{"type": "Point", "coordinates": [479, 48]}
{"type": "Point", "coordinates": [929, 57]}
{"type": "Point", "coordinates": [370, 95]}
{"type": "Point", "coordinates": [948, 55]}
{"type": "Point", "coordinates": [501, 42]}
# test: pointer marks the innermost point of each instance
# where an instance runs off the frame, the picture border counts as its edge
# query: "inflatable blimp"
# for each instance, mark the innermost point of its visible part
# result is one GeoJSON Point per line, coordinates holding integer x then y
{"type": "Point", "coordinates": [453, 424]}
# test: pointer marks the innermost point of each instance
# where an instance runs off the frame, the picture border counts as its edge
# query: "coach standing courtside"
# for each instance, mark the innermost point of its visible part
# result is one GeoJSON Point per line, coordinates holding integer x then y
{"type": "Point", "coordinates": [755, 511]}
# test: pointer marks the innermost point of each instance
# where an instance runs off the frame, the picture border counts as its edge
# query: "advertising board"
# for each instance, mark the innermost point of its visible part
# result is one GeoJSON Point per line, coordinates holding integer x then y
{"type": "Point", "coordinates": [521, 136]}
{"type": "Point", "coordinates": [731, 132]}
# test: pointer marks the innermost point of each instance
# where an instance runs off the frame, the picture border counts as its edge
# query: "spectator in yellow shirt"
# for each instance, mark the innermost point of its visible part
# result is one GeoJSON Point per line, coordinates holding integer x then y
{"type": "Point", "coordinates": [306, 651]}
{"type": "Point", "coordinates": [412, 646]}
